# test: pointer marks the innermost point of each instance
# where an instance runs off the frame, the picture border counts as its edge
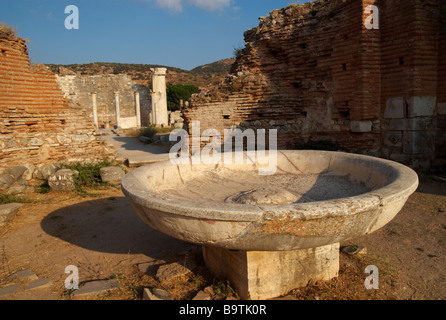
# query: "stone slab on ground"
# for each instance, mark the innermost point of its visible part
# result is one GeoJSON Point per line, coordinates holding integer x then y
{"type": "Point", "coordinates": [25, 274]}
{"type": "Point", "coordinates": [97, 287]}
{"type": "Point", "coordinates": [39, 284]}
{"type": "Point", "coordinates": [8, 290]}
{"type": "Point", "coordinates": [7, 212]}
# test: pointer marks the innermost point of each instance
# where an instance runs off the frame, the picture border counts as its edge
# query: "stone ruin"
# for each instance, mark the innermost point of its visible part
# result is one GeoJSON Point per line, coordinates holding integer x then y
{"type": "Point", "coordinates": [49, 118]}
{"type": "Point", "coordinates": [314, 71]}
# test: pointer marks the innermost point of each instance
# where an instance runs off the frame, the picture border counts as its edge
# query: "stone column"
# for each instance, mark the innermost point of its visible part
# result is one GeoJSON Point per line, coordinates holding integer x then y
{"type": "Point", "coordinates": [95, 110]}
{"type": "Point", "coordinates": [159, 97]}
{"type": "Point", "coordinates": [138, 109]}
{"type": "Point", "coordinates": [118, 119]}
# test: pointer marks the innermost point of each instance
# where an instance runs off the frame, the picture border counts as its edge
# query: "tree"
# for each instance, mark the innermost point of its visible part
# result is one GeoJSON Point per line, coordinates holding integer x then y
{"type": "Point", "coordinates": [177, 92]}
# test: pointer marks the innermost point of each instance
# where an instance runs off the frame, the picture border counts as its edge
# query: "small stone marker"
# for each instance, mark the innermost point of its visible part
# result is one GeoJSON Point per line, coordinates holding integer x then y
{"type": "Point", "coordinates": [111, 174]}
{"type": "Point", "coordinates": [96, 287]}
{"type": "Point", "coordinates": [62, 180]}
{"type": "Point", "coordinates": [7, 212]}
{"type": "Point", "coordinates": [39, 284]}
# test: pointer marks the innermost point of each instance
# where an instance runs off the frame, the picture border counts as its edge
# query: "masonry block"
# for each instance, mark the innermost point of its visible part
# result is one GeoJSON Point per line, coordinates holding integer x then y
{"type": "Point", "coordinates": [267, 274]}
{"type": "Point", "coordinates": [421, 106]}
{"type": "Point", "coordinates": [395, 108]}
{"type": "Point", "coordinates": [412, 124]}
{"type": "Point", "coordinates": [393, 138]}
{"type": "Point", "coordinates": [441, 109]}
{"type": "Point", "coordinates": [414, 142]}
{"type": "Point", "coordinates": [361, 126]}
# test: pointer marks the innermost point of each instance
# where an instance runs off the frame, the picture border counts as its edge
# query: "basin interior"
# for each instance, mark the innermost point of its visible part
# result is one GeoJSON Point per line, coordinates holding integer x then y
{"type": "Point", "coordinates": [306, 177]}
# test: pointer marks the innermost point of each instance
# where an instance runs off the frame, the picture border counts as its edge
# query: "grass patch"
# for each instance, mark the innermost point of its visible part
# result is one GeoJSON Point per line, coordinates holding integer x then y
{"type": "Point", "coordinates": [89, 176]}
{"type": "Point", "coordinates": [10, 198]}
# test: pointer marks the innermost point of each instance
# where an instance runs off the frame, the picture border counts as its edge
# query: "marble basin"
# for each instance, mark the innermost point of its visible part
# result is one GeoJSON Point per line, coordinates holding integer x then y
{"type": "Point", "coordinates": [315, 198]}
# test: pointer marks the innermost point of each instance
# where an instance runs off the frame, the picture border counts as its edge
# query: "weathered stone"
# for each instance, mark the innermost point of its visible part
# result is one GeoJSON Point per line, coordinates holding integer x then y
{"type": "Point", "coordinates": [361, 126]}
{"type": "Point", "coordinates": [39, 284]}
{"type": "Point", "coordinates": [43, 172]}
{"type": "Point", "coordinates": [201, 295]}
{"type": "Point", "coordinates": [421, 106]}
{"type": "Point", "coordinates": [413, 124]}
{"type": "Point", "coordinates": [16, 188]}
{"type": "Point", "coordinates": [28, 173]}
{"type": "Point", "coordinates": [171, 271]}
{"type": "Point", "coordinates": [111, 174]}
{"type": "Point", "coordinates": [441, 109]}
{"type": "Point", "coordinates": [6, 180]}
{"type": "Point", "coordinates": [395, 108]}
{"type": "Point", "coordinates": [62, 180]}
{"type": "Point", "coordinates": [149, 267]}
{"type": "Point", "coordinates": [414, 142]}
{"type": "Point", "coordinates": [25, 274]}
{"type": "Point", "coordinates": [16, 171]}
{"type": "Point", "coordinates": [7, 212]}
{"type": "Point", "coordinates": [156, 294]}
{"type": "Point", "coordinates": [265, 274]}
{"type": "Point", "coordinates": [145, 140]}
{"type": "Point", "coordinates": [97, 287]}
{"type": "Point", "coordinates": [393, 138]}
{"type": "Point", "coordinates": [11, 289]}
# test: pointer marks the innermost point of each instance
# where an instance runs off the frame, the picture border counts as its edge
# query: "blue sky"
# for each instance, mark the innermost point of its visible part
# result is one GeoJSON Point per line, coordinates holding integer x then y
{"type": "Point", "coordinates": [177, 33]}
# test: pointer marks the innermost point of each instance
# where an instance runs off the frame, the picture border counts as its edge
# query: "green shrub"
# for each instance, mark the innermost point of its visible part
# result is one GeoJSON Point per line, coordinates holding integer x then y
{"type": "Point", "coordinates": [89, 176]}
{"type": "Point", "coordinates": [10, 198]}
{"type": "Point", "coordinates": [178, 92]}
{"type": "Point", "coordinates": [148, 132]}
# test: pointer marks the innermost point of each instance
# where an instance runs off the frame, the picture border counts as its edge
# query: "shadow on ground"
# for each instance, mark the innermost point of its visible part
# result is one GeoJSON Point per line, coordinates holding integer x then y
{"type": "Point", "coordinates": [110, 225]}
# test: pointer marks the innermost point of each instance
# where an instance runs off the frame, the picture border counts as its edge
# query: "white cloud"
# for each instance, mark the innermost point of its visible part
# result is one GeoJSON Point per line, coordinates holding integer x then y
{"type": "Point", "coordinates": [209, 5]}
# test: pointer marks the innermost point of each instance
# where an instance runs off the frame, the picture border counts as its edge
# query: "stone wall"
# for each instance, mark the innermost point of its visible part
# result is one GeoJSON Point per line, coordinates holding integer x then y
{"type": "Point", "coordinates": [314, 71]}
{"type": "Point", "coordinates": [78, 90]}
{"type": "Point", "coordinates": [36, 123]}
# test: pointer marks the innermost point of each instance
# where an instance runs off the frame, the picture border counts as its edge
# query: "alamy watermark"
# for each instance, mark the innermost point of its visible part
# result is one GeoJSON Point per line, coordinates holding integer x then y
{"type": "Point", "coordinates": [372, 281]}
{"type": "Point", "coordinates": [233, 153]}
{"type": "Point", "coordinates": [72, 281]}
{"type": "Point", "coordinates": [72, 21]}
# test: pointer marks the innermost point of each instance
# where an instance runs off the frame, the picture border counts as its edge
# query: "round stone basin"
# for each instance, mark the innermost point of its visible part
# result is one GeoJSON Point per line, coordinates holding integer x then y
{"type": "Point", "coordinates": [314, 199]}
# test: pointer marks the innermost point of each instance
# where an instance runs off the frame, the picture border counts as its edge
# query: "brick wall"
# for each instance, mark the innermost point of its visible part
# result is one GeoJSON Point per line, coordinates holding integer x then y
{"type": "Point", "coordinates": [314, 71]}
{"type": "Point", "coordinates": [36, 123]}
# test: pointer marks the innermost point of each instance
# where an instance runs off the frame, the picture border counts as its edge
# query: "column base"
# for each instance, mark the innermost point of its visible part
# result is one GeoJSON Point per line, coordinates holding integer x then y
{"type": "Point", "coordinates": [259, 275]}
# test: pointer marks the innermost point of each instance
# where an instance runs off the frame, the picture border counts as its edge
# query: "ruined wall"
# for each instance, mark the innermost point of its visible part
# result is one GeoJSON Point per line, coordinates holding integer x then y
{"type": "Point", "coordinates": [78, 89]}
{"type": "Point", "coordinates": [36, 125]}
{"type": "Point", "coordinates": [314, 71]}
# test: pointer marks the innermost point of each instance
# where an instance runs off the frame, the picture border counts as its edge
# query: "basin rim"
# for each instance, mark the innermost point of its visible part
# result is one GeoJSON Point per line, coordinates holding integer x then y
{"type": "Point", "coordinates": [404, 184]}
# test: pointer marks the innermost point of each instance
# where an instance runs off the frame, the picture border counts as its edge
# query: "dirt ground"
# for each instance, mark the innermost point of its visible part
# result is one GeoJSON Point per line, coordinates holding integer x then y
{"type": "Point", "coordinates": [104, 238]}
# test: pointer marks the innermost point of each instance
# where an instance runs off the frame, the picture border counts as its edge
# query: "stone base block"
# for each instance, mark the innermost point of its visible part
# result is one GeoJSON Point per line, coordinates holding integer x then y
{"type": "Point", "coordinates": [260, 275]}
